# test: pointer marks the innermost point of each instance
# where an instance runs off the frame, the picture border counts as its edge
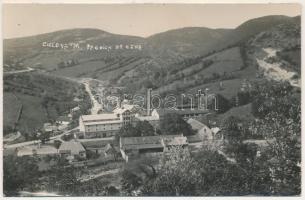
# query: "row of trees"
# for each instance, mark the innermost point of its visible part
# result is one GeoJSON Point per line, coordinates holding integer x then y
{"type": "Point", "coordinates": [206, 173]}
{"type": "Point", "coordinates": [68, 63]}
{"type": "Point", "coordinates": [171, 124]}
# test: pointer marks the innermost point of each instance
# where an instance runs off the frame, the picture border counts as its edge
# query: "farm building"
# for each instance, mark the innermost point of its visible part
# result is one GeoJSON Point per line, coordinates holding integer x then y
{"type": "Point", "coordinates": [203, 131]}
{"type": "Point", "coordinates": [72, 149]}
{"type": "Point", "coordinates": [63, 120]}
{"type": "Point", "coordinates": [185, 113]}
{"type": "Point", "coordinates": [131, 147]}
{"type": "Point", "coordinates": [39, 150]}
{"type": "Point", "coordinates": [48, 127]}
{"type": "Point", "coordinates": [99, 146]}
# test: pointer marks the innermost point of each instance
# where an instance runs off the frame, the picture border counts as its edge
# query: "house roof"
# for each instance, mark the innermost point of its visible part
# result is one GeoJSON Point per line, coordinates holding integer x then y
{"type": "Point", "coordinates": [49, 127]}
{"type": "Point", "coordinates": [215, 129]}
{"type": "Point", "coordinates": [125, 106]}
{"type": "Point", "coordinates": [97, 140]}
{"type": "Point", "coordinates": [120, 110]}
{"type": "Point", "coordinates": [47, 124]}
{"type": "Point", "coordinates": [77, 99]}
{"type": "Point", "coordinates": [196, 125]}
{"type": "Point", "coordinates": [158, 141]}
{"type": "Point", "coordinates": [42, 150]}
{"type": "Point", "coordinates": [180, 140]}
{"type": "Point", "coordinates": [163, 112]}
{"type": "Point", "coordinates": [147, 118]}
{"type": "Point", "coordinates": [76, 108]}
{"type": "Point", "coordinates": [103, 122]}
{"type": "Point", "coordinates": [99, 117]}
{"type": "Point", "coordinates": [129, 106]}
{"type": "Point", "coordinates": [96, 144]}
{"type": "Point", "coordinates": [74, 146]}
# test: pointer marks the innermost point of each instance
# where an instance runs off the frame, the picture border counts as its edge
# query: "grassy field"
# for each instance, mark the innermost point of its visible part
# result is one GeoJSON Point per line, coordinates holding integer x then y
{"type": "Point", "coordinates": [43, 98]}
{"type": "Point", "coordinates": [229, 89]}
{"type": "Point", "coordinates": [80, 70]}
{"type": "Point", "coordinates": [33, 114]}
{"type": "Point", "coordinates": [116, 72]}
{"type": "Point", "coordinates": [11, 109]}
{"type": "Point", "coordinates": [225, 63]}
{"type": "Point", "coordinates": [242, 112]}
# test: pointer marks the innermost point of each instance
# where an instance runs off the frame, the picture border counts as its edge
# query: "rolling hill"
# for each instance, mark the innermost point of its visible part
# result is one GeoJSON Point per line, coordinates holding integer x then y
{"type": "Point", "coordinates": [190, 40]}
{"type": "Point", "coordinates": [32, 99]}
{"type": "Point", "coordinates": [181, 60]}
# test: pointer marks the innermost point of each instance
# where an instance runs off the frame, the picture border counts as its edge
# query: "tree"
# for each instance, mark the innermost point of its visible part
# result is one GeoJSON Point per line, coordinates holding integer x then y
{"type": "Point", "coordinates": [221, 177]}
{"type": "Point", "coordinates": [144, 128]}
{"type": "Point", "coordinates": [112, 191]}
{"type": "Point", "coordinates": [243, 97]}
{"type": "Point", "coordinates": [174, 124]}
{"type": "Point", "coordinates": [274, 97]}
{"type": "Point", "coordinates": [57, 144]}
{"type": "Point", "coordinates": [178, 175]}
{"type": "Point", "coordinates": [231, 129]}
{"type": "Point", "coordinates": [112, 151]}
{"type": "Point", "coordinates": [44, 137]}
{"type": "Point", "coordinates": [63, 179]}
{"type": "Point", "coordinates": [284, 152]}
{"type": "Point", "coordinates": [130, 182]}
{"type": "Point", "coordinates": [129, 131]}
{"type": "Point", "coordinates": [223, 104]}
{"type": "Point", "coordinates": [137, 172]}
{"type": "Point", "coordinates": [279, 122]}
{"type": "Point", "coordinates": [19, 173]}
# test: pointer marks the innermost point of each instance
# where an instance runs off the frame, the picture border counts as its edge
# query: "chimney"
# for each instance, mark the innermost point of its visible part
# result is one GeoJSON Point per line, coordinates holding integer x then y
{"type": "Point", "coordinates": [206, 98]}
{"type": "Point", "coordinates": [119, 103]}
{"type": "Point", "coordinates": [148, 101]}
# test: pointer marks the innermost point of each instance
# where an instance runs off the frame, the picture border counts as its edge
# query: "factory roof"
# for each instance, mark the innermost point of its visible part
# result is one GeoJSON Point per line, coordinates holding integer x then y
{"type": "Point", "coordinates": [99, 117]}
{"type": "Point", "coordinates": [146, 142]}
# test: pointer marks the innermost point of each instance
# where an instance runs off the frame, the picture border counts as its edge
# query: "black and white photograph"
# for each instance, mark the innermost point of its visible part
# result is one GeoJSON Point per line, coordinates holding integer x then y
{"type": "Point", "coordinates": [151, 100]}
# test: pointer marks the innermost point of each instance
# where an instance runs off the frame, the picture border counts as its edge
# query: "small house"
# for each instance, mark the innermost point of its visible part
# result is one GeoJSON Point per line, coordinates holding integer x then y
{"type": "Point", "coordinates": [132, 147]}
{"type": "Point", "coordinates": [72, 149]}
{"type": "Point", "coordinates": [38, 150]}
{"type": "Point", "coordinates": [203, 131]}
{"type": "Point", "coordinates": [63, 120]}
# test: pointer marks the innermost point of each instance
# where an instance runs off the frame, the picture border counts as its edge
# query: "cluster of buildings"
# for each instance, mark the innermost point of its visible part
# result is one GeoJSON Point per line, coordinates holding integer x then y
{"type": "Point", "coordinates": [73, 150]}
{"type": "Point", "coordinates": [98, 133]}
{"type": "Point", "coordinates": [108, 124]}
{"type": "Point", "coordinates": [131, 147]}
{"type": "Point", "coordinates": [62, 122]}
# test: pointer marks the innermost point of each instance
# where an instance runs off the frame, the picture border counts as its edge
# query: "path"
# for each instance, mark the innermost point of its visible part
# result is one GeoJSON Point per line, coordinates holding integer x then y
{"type": "Point", "coordinates": [57, 137]}
{"type": "Point", "coordinates": [104, 173]}
{"type": "Point", "coordinates": [12, 137]}
{"type": "Point", "coordinates": [275, 71]}
{"type": "Point", "coordinates": [29, 69]}
{"type": "Point", "coordinates": [227, 157]}
{"type": "Point", "coordinates": [96, 107]}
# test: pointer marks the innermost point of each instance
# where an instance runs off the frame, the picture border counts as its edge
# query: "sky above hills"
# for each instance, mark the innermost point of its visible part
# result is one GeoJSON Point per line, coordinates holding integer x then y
{"type": "Point", "coordinates": [21, 20]}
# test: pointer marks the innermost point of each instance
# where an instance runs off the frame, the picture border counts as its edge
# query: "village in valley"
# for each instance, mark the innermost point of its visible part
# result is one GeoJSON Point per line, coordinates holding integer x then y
{"type": "Point", "coordinates": [104, 136]}
{"type": "Point", "coordinates": [191, 111]}
{"type": "Point", "coordinates": [116, 133]}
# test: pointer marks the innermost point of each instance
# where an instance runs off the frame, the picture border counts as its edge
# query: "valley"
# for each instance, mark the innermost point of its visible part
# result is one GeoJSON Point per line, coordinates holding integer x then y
{"type": "Point", "coordinates": [75, 123]}
{"type": "Point", "coordinates": [169, 62]}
